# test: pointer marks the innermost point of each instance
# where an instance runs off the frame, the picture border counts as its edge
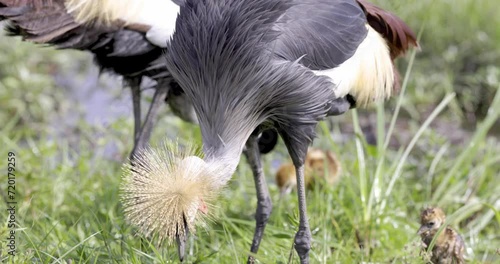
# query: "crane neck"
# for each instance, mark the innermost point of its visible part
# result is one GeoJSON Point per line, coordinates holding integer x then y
{"type": "Point", "coordinates": [223, 159]}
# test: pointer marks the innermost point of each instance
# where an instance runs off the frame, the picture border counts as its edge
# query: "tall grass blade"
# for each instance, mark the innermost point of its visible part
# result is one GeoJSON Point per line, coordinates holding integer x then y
{"type": "Point", "coordinates": [361, 164]}
{"type": "Point", "coordinates": [470, 151]}
{"type": "Point", "coordinates": [402, 92]}
{"type": "Point", "coordinates": [410, 146]}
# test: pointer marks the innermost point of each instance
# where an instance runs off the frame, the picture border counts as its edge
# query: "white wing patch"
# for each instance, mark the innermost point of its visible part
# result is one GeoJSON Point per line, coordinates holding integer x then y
{"type": "Point", "coordinates": [368, 75]}
{"type": "Point", "coordinates": [159, 14]}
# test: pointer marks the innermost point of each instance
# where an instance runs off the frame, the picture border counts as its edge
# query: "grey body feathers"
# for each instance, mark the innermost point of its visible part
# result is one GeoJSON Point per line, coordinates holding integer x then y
{"type": "Point", "coordinates": [323, 33]}
{"type": "Point", "coordinates": [222, 56]}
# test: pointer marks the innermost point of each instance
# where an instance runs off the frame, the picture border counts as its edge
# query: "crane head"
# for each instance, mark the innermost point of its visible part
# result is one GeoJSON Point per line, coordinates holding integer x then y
{"type": "Point", "coordinates": [166, 192]}
{"type": "Point", "coordinates": [431, 219]}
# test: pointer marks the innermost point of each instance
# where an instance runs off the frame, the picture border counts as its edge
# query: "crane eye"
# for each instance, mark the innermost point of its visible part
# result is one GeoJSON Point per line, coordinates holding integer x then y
{"type": "Point", "coordinates": [430, 224]}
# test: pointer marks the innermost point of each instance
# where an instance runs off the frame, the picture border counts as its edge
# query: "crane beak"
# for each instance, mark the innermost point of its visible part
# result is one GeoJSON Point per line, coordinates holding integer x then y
{"type": "Point", "coordinates": [182, 239]}
{"type": "Point", "coordinates": [181, 247]}
{"type": "Point", "coordinates": [182, 242]}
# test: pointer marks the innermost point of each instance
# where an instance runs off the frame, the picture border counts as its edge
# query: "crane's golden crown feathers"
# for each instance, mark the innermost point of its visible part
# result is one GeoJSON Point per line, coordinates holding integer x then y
{"type": "Point", "coordinates": [164, 188]}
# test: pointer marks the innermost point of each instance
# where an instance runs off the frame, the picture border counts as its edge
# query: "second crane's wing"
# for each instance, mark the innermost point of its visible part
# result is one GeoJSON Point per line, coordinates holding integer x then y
{"type": "Point", "coordinates": [322, 33]}
{"type": "Point", "coordinates": [39, 21]}
{"type": "Point", "coordinates": [122, 49]}
{"type": "Point", "coordinates": [48, 22]}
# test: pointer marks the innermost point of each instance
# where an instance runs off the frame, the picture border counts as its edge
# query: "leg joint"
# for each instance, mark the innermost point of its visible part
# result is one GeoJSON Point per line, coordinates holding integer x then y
{"type": "Point", "coordinates": [264, 209]}
{"type": "Point", "coordinates": [303, 241]}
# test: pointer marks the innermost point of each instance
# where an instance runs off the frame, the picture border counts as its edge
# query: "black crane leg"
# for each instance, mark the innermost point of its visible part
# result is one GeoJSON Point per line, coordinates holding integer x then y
{"type": "Point", "coordinates": [264, 204]}
{"type": "Point", "coordinates": [297, 147]}
{"type": "Point", "coordinates": [134, 84]}
{"type": "Point", "coordinates": [303, 235]}
{"type": "Point", "coordinates": [145, 132]}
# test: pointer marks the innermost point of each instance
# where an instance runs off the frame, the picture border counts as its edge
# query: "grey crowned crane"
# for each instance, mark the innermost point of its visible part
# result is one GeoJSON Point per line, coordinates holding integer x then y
{"type": "Point", "coordinates": [253, 65]}
{"type": "Point", "coordinates": [126, 38]}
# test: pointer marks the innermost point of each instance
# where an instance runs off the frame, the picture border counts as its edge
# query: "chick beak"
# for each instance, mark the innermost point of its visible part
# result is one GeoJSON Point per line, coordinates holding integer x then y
{"type": "Point", "coordinates": [422, 230]}
{"type": "Point", "coordinates": [182, 241]}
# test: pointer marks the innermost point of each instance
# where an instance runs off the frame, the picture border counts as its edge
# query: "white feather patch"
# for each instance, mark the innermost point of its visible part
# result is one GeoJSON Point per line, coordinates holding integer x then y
{"type": "Point", "coordinates": [368, 75]}
{"type": "Point", "coordinates": [159, 14]}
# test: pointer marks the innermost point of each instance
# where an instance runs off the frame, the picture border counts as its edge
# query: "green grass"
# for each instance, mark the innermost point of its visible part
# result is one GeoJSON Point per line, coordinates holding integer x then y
{"type": "Point", "coordinates": [67, 187]}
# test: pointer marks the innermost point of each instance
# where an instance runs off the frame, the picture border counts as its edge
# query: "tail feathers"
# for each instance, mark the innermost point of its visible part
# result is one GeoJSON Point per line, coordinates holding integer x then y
{"type": "Point", "coordinates": [29, 3]}
{"type": "Point", "coordinates": [37, 21]}
{"type": "Point", "coordinates": [49, 22]}
{"type": "Point", "coordinates": [397, 34]}
{"type": "Point", "coordinates": [7, 11]}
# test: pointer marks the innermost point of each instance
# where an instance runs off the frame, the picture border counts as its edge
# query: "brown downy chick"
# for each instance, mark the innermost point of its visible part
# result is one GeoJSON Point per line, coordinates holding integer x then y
{"type": "Point", "coordinates": [449, 247]}
{"type": "Point", "coordinates": [316, 162]}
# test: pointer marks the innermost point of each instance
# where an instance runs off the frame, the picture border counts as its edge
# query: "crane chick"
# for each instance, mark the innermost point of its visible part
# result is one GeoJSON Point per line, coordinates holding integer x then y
{"type": "Point", "coordinates": [316, 162]}
{"type": "Point", "coordinates": [449, 247]}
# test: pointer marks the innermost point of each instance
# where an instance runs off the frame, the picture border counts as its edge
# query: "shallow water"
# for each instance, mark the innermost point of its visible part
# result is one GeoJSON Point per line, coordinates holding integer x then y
{"type": "Point", "coordinates": [96, 99]}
